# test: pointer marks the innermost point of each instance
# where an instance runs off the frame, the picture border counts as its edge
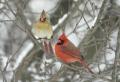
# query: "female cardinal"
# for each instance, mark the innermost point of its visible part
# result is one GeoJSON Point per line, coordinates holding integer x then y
{"type": "Point", "coordinates": [67, 52]}
{"type": "Point", "coordinates": [43, 30]}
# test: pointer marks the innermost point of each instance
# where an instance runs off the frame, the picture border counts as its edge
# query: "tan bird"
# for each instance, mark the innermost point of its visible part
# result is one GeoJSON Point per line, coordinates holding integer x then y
{"type": "Point", "coordinates": [43, 31]}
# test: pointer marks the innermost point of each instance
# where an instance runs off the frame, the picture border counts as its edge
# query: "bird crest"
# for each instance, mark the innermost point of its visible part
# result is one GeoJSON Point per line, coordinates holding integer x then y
{"type": "Point", "coordinates": [43, 16]}
{"type": "Point", "coordinates": [63, 37]}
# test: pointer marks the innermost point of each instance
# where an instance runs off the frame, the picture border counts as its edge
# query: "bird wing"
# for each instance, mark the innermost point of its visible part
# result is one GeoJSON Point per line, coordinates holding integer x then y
{"type": "Point", "coordinates": [72, 50]}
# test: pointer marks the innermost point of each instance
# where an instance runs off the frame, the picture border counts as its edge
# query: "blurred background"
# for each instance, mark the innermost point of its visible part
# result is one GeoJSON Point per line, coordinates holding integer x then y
{"type": "Point", "coordinates": [92, 25]}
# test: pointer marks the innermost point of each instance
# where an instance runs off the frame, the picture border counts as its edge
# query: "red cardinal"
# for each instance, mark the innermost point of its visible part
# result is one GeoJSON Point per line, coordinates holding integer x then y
{"type": "Point", "coordinates": [67, 52]}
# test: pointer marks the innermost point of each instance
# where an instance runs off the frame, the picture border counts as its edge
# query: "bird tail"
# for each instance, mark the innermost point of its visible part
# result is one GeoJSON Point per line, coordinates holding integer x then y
{"type": "Point", "coordinates": [48, 50]}
{"type": "Point", "coordinates": [86, 66]}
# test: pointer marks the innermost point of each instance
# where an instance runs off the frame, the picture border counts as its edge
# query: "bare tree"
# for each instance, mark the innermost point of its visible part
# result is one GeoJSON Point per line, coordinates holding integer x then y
{"type": "Point", "coordinates": [95, 24]}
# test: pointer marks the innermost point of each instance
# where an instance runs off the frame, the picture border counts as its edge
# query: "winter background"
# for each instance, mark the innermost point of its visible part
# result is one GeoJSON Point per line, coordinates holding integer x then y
{"type": "Point", "coordinates": [92, 25]}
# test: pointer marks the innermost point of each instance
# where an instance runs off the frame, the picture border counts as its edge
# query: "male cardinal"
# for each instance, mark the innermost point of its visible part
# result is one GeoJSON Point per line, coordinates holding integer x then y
{"type": "Point", "coordinates": [42, 30]}
{"type": "Point", "coordinates": [67, 52]}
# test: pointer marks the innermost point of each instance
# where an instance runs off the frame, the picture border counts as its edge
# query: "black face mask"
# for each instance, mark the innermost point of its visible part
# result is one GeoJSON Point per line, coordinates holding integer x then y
{"type": "Point", "coordinates": [60, 42]}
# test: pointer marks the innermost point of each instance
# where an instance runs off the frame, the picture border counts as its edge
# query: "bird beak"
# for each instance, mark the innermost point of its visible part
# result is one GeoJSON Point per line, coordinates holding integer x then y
{"type": "Point", "coordinates": [59, 41]}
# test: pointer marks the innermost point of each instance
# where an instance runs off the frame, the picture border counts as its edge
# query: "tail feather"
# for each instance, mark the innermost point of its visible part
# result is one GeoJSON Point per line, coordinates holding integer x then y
{"type": "Point", "coordinates": [86, 66]}
{"type": "Point", "coordinates": [48, 49]}
{"type": "Point", "coordinates": [45, 48]}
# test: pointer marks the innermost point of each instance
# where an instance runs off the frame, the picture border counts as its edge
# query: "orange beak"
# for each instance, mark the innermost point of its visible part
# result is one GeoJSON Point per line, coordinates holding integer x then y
{"type": "Point", "coordinates": [59, 41]}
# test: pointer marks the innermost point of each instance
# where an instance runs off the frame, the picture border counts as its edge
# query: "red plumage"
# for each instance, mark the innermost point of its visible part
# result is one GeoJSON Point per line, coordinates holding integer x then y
{"type": "Point", "coordinates": [67, 52]}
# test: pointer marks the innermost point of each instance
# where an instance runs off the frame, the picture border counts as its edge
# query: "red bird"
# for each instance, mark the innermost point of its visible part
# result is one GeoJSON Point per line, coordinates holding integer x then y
{"type": "Point", "coordinates": [67, 52]}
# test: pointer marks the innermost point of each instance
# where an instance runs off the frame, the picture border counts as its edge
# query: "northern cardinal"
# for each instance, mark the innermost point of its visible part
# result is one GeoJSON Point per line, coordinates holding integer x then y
{"type": "Point", "coordinates": [43, 31]}
{"type": "Point", "coordinates": [67, 52]}
{"type": "Point", "coordinates": [42, 28]}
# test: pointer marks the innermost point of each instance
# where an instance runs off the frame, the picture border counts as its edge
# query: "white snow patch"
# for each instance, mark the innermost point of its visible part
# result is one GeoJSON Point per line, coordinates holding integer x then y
{"type": "Point", "coordinates": [57, 65]}
{"type": "Point", "coordinates": [28, 45]}
{"type": "Point", "coordinates": [60, 21]}
{"type": "Point", "coordinates": [39, 5]}
{"type": "Point", "coordinates": [117, 2]}
{"type": "Point", "coordinates": [102, 67]}
{"type": "Point", "coordinates": [73, 38]}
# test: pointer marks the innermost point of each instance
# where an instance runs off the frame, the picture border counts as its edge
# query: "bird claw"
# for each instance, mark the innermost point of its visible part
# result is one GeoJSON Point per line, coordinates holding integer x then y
{"type": "Point", "coordinates": [39, 38]}
{"type": "Point", "coordinates": [42, 38]}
